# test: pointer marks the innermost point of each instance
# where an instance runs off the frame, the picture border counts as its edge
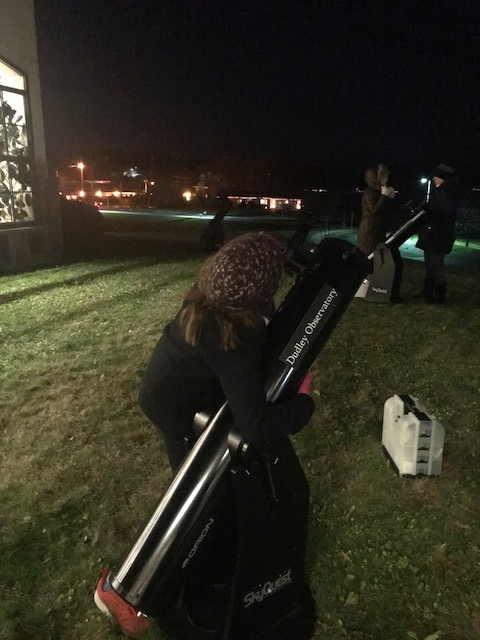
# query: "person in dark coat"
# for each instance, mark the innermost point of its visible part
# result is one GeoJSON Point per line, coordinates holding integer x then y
{"type": "Point", "coordinates": [377, 200]}
{"type": "Point", "coordinates": [437, 235]}
{"type": "Point", "coordinates": [212, 351]}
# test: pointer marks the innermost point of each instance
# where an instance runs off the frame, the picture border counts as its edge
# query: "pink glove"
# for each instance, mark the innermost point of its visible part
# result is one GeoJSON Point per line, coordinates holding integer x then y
{"type": "Point", "coordinates": [305, 384]}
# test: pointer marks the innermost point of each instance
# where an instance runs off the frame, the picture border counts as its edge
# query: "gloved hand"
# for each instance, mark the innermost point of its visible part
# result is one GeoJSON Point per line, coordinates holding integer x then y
{"type": "Point", "coordinates": [305, 384]}
{"type": "Point", "coordinates": [388, 191]}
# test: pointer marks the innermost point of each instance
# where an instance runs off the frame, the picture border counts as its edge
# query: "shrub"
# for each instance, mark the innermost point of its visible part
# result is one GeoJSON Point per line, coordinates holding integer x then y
{"type": "Point", "coordinates": [82, 229]}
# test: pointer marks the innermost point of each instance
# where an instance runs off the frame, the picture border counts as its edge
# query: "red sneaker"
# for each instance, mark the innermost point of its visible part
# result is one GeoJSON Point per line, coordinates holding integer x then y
{"type": "Point", "coordinates": [127, 618]}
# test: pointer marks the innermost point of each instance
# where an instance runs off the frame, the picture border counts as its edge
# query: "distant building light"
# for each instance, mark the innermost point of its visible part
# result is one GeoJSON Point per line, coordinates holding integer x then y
{"type": "Point", "coordinates": [187, 195]}
{"type": "Point", "coordinates": [98, 194]}
{"type": "Point", "coordinates": [81, 194]}
{"type": "Point", "coordinates": [273, 203]}
{"type": "Point", "coordinates": [116, 194]}
{"type": "Point", "coordinates": [298, 205]}
{"type": "Point", "coordinates": [132, 172]}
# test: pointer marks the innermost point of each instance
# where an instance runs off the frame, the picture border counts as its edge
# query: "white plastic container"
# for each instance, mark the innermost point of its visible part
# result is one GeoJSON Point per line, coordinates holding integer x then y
{"type": "Point", "coordinates": [412, 439]}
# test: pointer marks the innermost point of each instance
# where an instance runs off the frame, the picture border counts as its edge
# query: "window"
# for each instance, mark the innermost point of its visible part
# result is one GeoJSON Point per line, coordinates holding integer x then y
{"type": "Point", "coordinates": [16, 202]}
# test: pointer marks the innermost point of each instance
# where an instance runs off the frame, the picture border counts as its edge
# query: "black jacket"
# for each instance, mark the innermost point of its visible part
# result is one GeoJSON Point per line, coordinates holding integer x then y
{"type": "Point", "coordinates": [182, 379]}
{"type": "Point", "coordinates": [438, 232]}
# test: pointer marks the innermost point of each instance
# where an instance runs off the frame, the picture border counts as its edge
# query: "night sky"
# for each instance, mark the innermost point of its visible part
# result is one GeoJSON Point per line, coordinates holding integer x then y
{"type": "Point", "coordinates": [347, 83]}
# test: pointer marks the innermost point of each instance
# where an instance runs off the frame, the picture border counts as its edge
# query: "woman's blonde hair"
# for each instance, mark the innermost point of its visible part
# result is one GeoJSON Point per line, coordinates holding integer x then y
{"type": "Point", "coordinates": [193, 315]}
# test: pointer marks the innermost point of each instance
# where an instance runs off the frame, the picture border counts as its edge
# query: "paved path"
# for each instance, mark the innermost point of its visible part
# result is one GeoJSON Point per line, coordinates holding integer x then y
{"type": "Point", "coordinates": [461, 255]}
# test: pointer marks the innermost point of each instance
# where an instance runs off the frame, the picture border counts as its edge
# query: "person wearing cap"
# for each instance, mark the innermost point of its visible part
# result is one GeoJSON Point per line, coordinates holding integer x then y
{"type": "Point", "coordinates": [437, 235]}
{"type": "Point", "coordinates": [211, 351]}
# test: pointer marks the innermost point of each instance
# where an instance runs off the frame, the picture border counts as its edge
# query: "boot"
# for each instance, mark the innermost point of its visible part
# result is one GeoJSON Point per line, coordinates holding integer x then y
{"type": "Point", "coordinates": [440, 294]}
{"type": "Point", "coordinates": [427, 291]}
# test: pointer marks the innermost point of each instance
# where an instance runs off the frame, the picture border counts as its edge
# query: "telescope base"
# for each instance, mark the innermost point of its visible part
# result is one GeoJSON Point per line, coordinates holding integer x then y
{"type": "Point", "coordinates": [262, 594]}
{"type": "Point", "coordinates": [203, 618]}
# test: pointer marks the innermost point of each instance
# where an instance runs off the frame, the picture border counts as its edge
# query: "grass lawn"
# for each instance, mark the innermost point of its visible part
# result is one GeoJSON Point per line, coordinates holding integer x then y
{"type": "Point", "coordinates": [81, 468]}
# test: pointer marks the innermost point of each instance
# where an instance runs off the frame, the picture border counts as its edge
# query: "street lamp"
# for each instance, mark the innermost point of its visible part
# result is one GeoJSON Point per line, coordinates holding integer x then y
{"type": "Point", "coordinates": [148, 192]}
{"type": "Point", "coordinates": [81, 166]}
{"type": "Point", "coordinates": [429, 184]}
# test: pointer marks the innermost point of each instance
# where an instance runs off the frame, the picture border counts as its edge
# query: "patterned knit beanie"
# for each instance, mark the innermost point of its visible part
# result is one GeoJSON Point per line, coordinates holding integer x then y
{"type": "Point", "coordinates": [244, 274]}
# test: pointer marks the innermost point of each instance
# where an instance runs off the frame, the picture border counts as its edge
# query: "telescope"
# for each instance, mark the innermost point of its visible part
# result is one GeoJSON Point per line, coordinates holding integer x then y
{"type": "Point", "coordinates": [223, 554]}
